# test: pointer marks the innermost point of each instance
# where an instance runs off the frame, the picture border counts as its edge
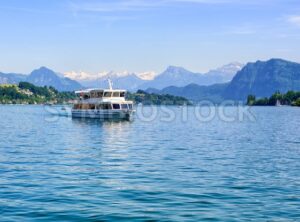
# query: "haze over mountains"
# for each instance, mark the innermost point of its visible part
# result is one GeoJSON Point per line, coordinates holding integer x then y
{"type": "Point", "coordinates": [261, 79]}
{"type": "Point", "coordinates": [178, 76]}
{"type": "Point", "coordinates": [264, 78]}
{"type": "Point", "coordinates": [175, 76]}
{"type": "Point", "coordinates": [41, 77]}
{"type": "Point", "coordinates": [233, 81]}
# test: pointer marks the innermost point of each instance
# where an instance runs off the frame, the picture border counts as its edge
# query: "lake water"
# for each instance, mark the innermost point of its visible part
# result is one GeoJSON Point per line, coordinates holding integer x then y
{"type": "Point", "coordinates": [59, 169]}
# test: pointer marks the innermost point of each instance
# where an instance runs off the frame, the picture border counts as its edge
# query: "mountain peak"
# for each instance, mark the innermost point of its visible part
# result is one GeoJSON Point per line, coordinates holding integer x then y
{"type": "Point", "coordinates": [263, 78]}
{"type": "Point", "coordinates": [277, 60]}
{"type": "Point", "coordinates": [270, 61]}
{"type": "Point", "coordinates": [150, 75]}
{"type": "Point", "coordinates": [43, 68]}
{"type": "Point", "coordinates": [114, 74]}
{"type": "Point", "coordinates": [175, 69]}
{"type": "Point", "coordinates": [230, 68]}
{"type": "Point", "coordinates": [44, 76]}
{"type": "Point", "coordinates": [43, 71]}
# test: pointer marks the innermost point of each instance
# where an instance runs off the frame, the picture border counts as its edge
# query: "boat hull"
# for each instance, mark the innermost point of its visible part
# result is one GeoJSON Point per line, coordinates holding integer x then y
{"type": "Point", "coordinates": [103, 114]}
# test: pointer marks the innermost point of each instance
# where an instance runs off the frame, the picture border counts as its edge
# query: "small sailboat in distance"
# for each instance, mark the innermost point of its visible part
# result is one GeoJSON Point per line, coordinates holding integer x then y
{"type": "Point", "coordinates": [278, 103]}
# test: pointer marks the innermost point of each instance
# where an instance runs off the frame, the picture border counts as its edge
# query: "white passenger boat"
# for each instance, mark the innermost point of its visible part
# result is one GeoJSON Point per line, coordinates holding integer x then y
{"type": "Point", "coordinates": [103, 104]}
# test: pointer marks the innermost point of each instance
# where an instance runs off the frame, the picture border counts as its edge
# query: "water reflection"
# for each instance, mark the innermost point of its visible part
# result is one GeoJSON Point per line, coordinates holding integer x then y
{"type": "Point", "coordinates": [99, 122]}
{"type": "Point", "coordinates": [110, 138]}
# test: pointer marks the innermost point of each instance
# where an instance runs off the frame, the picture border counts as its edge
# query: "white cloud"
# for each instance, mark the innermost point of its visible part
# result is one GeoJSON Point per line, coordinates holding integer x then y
{"type": "Point", "coordinates": [294, 19]}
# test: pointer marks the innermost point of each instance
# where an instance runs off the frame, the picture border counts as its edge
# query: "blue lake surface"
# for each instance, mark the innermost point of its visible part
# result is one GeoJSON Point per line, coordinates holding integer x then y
{"type": "Point", "coordinates": [59, 169]}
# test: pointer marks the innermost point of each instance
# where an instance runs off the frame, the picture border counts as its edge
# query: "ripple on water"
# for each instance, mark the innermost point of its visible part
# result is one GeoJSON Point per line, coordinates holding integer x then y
{"type": "Point", "coordinates": [85, 170]}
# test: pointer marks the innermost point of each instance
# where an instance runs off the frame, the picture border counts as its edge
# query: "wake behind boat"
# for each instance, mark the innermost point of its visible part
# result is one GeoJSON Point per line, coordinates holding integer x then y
{"type": "Point", "coordinates": [103, 104]}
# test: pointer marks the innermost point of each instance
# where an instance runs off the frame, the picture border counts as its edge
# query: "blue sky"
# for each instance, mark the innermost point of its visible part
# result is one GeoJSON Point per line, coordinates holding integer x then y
{"type": "Point", "coordinates": [144, 35]}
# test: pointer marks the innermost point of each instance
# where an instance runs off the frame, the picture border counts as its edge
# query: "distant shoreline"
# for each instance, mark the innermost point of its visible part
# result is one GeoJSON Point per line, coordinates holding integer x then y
{"type": "Point", "coordinates": [290, 98]}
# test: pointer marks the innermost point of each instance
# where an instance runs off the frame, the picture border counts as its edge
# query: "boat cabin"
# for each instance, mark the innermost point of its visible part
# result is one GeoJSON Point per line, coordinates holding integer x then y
{"type": "Point", "coordinates": [104, 106]}
{"type": "Point", "coordinates": [102, 99]}
{"type": "Point", "coordinates": [101, 94]}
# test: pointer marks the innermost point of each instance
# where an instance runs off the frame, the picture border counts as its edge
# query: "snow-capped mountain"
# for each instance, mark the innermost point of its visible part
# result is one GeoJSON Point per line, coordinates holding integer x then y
{"type": "Point", "coordinates": [230, 68]}
{"type": "Point", "coordinates": [172, 76]}
{"type": "Point", "coordinates": [124, 80]}
{"type": "Point", "coordinates": [130, 81]}
{"type": "Point", "coordinates": [84, 76]}
{"type": "Point", "coordinates": [178, 76]}
{"type": "Point", "coordinates": [226, 72]}
{"type": "Point", "coordinates": [150, 75]}
{"type": "Point", "coordinates": [80, 75]}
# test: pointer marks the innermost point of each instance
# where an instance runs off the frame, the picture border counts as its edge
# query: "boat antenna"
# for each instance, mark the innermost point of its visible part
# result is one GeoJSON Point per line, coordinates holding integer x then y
{"type": "Point", "coordinates": [110, 84]}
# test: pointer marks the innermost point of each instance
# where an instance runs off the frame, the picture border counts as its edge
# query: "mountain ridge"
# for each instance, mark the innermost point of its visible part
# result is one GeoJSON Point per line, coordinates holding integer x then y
{"type": "Point", "coordinates": [172, 75]}
{"type": "Point", "coordinates": [42, 76]}
{"type": "Point", "coordinates": [260, 78]}
{"type": "Point", "coordinates": [263, 78]}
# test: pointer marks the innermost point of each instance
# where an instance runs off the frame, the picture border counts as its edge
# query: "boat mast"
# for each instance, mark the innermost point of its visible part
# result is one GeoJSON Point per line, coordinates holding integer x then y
{"type": "Point", "coordinates": [110, 84]}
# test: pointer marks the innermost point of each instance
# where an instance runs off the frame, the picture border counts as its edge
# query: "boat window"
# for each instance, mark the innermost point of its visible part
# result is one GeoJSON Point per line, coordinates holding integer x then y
{"type": "Point", "coordinates": [99, 94]}
{"type": "Point", "coordinates": [86, 96]}
{"type": "Point", "coordinates": [116, 106]}
{"type": "Point", "coordinates": [116, 94]}
{"type": "Point", "coordinates": [124, 106]}
{"type": "Point", "coordinates": [130, 106]}
{"type": "Point", "coordinates": [96, 94]}
{"type": "Point", "coordinates": [92, 106]}
{"type": "Point", "coordinates": [105, 106]}
{"type": "Point", "coordinates": [122, 94]}
{"type": "Point", "coordinates": [93, 94]}
{"type": "Point", "coordinates": [107, 94]}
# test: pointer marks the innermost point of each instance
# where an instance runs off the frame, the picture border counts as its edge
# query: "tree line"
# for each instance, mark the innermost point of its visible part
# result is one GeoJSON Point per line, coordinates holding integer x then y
{"type": "Point", "coordinates": [156, 99]}
{"type": "Point", "coordinates": [291, 98]}
{"type": "Point", "coordinates": [27, 93]}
